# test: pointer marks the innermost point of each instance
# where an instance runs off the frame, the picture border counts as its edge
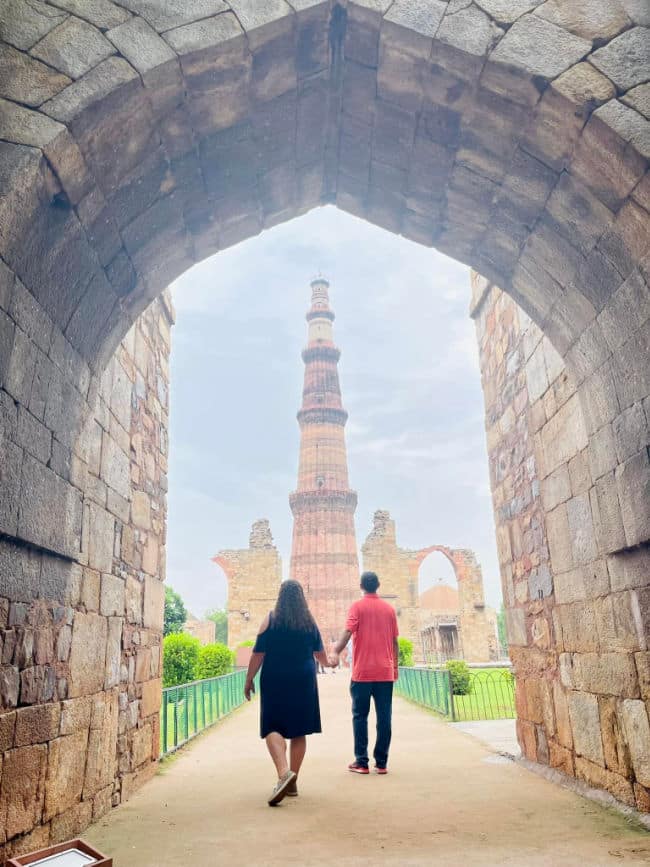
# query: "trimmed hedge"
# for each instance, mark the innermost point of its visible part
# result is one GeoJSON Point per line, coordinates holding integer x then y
{"type": "Point", "coordinates": [405, 652]}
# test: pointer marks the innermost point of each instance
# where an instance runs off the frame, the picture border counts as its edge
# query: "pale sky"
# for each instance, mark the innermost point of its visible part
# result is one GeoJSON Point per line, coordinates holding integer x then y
{"type": "Point", "coordinates": [409, 378]}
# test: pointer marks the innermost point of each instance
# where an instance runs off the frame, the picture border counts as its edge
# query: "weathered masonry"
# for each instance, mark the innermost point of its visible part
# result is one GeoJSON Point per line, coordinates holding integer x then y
{"type": "Point", "coordinates": [578, 617]}
{"type": "Point", "coordinates": [81, 640]}
{"type": "Point", "coordinates": [254, 575]}
{"type": "Point", "coordinates": [136, 140]}
{"type": "Point", "coordinates": [398, 570]}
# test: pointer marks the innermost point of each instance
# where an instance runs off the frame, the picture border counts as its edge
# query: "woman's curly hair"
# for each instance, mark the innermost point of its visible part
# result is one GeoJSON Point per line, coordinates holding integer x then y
{"type": "Point", "coordinates": [291, 609]}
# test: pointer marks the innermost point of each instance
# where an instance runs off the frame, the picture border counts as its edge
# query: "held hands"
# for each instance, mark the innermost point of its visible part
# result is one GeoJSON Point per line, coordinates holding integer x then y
{"type": "Point", "coordinates": [249, 689]}
{"type": "Point", "coordinates": [333, 660]}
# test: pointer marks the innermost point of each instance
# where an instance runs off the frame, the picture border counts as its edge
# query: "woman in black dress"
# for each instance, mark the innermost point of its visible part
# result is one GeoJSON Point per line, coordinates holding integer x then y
{"type": "Point", "coordinates": [288, 643]}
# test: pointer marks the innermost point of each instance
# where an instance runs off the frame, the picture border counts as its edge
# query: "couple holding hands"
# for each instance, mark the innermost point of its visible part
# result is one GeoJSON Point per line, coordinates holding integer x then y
{"type": "Point", "coordinates": [287, 648]}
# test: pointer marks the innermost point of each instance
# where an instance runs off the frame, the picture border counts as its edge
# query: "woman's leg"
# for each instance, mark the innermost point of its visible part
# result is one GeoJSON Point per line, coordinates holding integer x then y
{"type": "Point", "coordinates": [297, 752]}
{"type": "Point", "coordinates": [277, 747]}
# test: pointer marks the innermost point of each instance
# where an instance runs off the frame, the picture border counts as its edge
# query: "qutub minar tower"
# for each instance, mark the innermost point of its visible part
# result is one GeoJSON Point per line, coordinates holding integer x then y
{"type": "Point", "coordinates": [324, 548]}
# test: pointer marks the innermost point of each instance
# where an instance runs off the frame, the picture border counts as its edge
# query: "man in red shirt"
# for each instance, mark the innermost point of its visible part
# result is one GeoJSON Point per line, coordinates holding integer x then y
{"type": "Point", "coordinates": [372, 624]}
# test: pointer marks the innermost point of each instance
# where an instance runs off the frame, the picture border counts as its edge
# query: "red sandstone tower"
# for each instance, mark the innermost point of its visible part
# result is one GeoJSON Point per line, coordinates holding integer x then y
{"type": "Point", "coordinates": [324, 549]}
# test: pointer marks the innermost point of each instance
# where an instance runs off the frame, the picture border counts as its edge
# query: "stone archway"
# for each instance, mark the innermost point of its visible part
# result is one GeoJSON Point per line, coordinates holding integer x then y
{"type": "Point", "coordinates": [141, 138]}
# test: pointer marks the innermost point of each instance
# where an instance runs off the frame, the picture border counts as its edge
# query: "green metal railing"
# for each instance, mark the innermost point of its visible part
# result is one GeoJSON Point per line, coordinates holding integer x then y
{"type": "Point", "coordinates": [189, 708]}
{"type": "Point", "coordinates": [490, 696]}
{"type": "Point", "coordinates": [427, 686]}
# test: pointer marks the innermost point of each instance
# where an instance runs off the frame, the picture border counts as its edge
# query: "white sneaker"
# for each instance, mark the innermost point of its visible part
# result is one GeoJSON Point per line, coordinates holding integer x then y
{"type": "Point", "coordinates": [280, 789]}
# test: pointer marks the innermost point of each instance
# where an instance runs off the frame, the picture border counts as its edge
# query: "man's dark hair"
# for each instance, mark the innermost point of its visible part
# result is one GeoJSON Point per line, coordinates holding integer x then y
{"type": "Point", "coordinates": [369, 582]}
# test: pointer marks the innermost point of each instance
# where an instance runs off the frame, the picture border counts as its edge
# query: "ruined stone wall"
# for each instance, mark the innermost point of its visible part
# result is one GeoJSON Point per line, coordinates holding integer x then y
{"type": "Point", "coordinates": [80, 639]}
{"type": "Point", "coordinates": [578, 620]}
{"type": "Point", "coordinates": [254, 575]}
{"type": "Point", "coordinates": [398, 569]}
{"type": "Point", "coordinates": [204, 630]}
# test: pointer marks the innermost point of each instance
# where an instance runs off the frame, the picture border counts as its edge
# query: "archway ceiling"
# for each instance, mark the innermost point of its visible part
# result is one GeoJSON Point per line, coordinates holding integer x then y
{"type": "Point", "coordinates": [141, 136]}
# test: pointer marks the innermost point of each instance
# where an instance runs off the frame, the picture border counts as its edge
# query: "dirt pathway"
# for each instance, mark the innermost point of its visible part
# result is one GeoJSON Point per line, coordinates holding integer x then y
{"type": "Point", "coordinates": [446, 801]}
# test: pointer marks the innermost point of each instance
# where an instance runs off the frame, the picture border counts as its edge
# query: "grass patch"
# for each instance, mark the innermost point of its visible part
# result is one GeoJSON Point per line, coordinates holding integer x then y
{"type": "Point", "coordinates": [492, 696]}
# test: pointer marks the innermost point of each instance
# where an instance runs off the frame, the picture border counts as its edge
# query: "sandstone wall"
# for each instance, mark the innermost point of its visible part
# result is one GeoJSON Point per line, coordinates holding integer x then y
{"type": "Point", "coordinates": [80, 641]}
{"type": "Point", "coordinates": [398, 569]}
{"type": "Point", "coordinates": [254, 575]}
{"type": "Point", "coordinates": [204, 630]}
{"type": "Point", "coordinates": [578, 620]}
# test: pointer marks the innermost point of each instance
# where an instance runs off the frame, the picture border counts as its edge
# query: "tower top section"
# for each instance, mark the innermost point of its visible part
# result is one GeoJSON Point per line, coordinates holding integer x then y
{"type": "Point", "coordinates": [320, 300]}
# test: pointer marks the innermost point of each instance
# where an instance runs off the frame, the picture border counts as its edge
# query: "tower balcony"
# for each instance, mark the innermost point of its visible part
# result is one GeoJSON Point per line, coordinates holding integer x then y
{"type": "Point", "coordinates": [322, 499]}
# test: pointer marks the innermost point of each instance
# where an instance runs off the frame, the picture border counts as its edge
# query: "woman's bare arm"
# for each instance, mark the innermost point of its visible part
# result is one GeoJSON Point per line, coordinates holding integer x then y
{"type": "Point", "coordinates": [255, 664]}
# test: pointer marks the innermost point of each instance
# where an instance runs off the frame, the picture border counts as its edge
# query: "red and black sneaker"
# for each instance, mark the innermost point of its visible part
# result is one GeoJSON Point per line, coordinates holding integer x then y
{"type": "Point", "coordinates": [358, 768]}
{"type": "Point", "coordinates": [380, 770]}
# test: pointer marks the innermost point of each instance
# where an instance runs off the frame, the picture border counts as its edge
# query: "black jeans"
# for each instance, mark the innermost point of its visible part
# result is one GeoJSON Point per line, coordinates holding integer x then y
{"type": "Point", "coordinates": [382, 692]}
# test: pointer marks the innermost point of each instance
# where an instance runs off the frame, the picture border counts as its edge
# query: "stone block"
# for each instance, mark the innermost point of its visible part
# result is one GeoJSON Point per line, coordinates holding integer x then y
{"type": "Point", "coordinates": [112, 596]}
{"type": "Point", "coordinates": [581, 530]}
{"type": "Point", "coordinates": [141, 746]}
{"type": "Point", "coordinates": [643, 669]}
{"type": "Point", "coordinates": [559, 538]}
{"type": "Point", "coordinates": [589, 19]}
{"type": "Point", "coordinates": [88, 654]}
{"type": "Point", "coordinates": [90, 590]}
{"type": "Point", "coordinates": [65, 774]}
{"type": "Point", "coordinates": [625, 59]}
{"type": "Point", "coordinates": [101, 538]}
{"type": "Point", "coordinates": [556, 488]}
{"type": "Point", "coordinates": [71, 823]}
{"type": "Point", "coordinates": [599, 777]}
{"type": "Point", "coordinates": [577, 626]}
{"type": "Point", "coordinates": [629, 569]}
{"type": "Point", "coordinates": [37, 684]}
{"type": "Point", "coordinates": [617, 755]}
{"type": "Point", "coordinates": [73, 47]}
{"type": "Point", "coordinates": [633, 485]}
{"type": "Point", "coordinates": [134, 593]}
{"type": "Point", "coordinates": [23, 788]}
{"type": "Point", "coordinates": [540, 48]}
{"type": "Point", "coordinates": [36, 725]}
{"type": "Point", "coordinates": [141, 510]}
{"type": "Point", "coordinates": [143, 664]}
{"type": "Point", "coordinates": [151, 698]}
{"type": "Point", "coordinates": [585, 725]}
{"type": "Point", "coordinates": [154, 603]}
{"type": "Point", "coordinates": [25, 23]}
{"type": "Point", "coordinates": [113, 651]}
{"type": "Point", "coordinates": [606, 512]}
{"type": "Point", "coordinates": [75, 715]}
{"type": "Point", "coordinates": [102, 746]}
{"type": "Point", "coordinates": [27, 80]}
{"type": "Point", "coordinates": [631, 432]}
{"type": "Point", "coordinates": [569, 586]}
{"type": "Point", "coordinates": [606, 674]}
{"type": "Point", "coordinates": [115, 467]}
{"type": "Point", "coordinates": [9, 685]}
{"type": "Point", "coordinates": [51, 516]}
{"type": "Point", "coordinates": [516, 626]}
{"type": "Point", "coordinates": [562, 718]}
{"type": "Point", "coordinates": [637, 733]}
{"type": "Point", "coordinates": [619, 619]}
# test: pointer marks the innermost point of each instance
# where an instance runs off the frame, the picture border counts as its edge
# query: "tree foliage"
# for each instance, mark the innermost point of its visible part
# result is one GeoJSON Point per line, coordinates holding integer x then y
{"type": "Point", "coordinates": [175, 612]}
{"type": "Point", "coordinates": [405, 651]}
{"type": "Point", "coordinates": [214, 660]}
{"type": "Point", "coordinates": [180, 658]}
{"type": "Point", "coordinates": [219, 617]}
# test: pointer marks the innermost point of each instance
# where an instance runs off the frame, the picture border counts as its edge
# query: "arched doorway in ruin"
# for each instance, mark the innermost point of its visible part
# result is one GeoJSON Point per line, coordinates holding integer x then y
{"type": "Point", "coordinates": [513, 140]}
{"type": "Point", "coordinates": [454, 621]}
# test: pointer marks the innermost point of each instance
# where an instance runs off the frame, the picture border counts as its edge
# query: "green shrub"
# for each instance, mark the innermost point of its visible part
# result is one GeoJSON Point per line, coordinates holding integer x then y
{"type": "Point", "coordinates": [405, 652]}
{"type": "Point", "coordinates": [214, 660]}
{"type": "Point", "coordinates": [461, 682]}
{"type": "Point", "coordinates": [180, 656]}
{"type": "Point", "coordinates": [248, 643]}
